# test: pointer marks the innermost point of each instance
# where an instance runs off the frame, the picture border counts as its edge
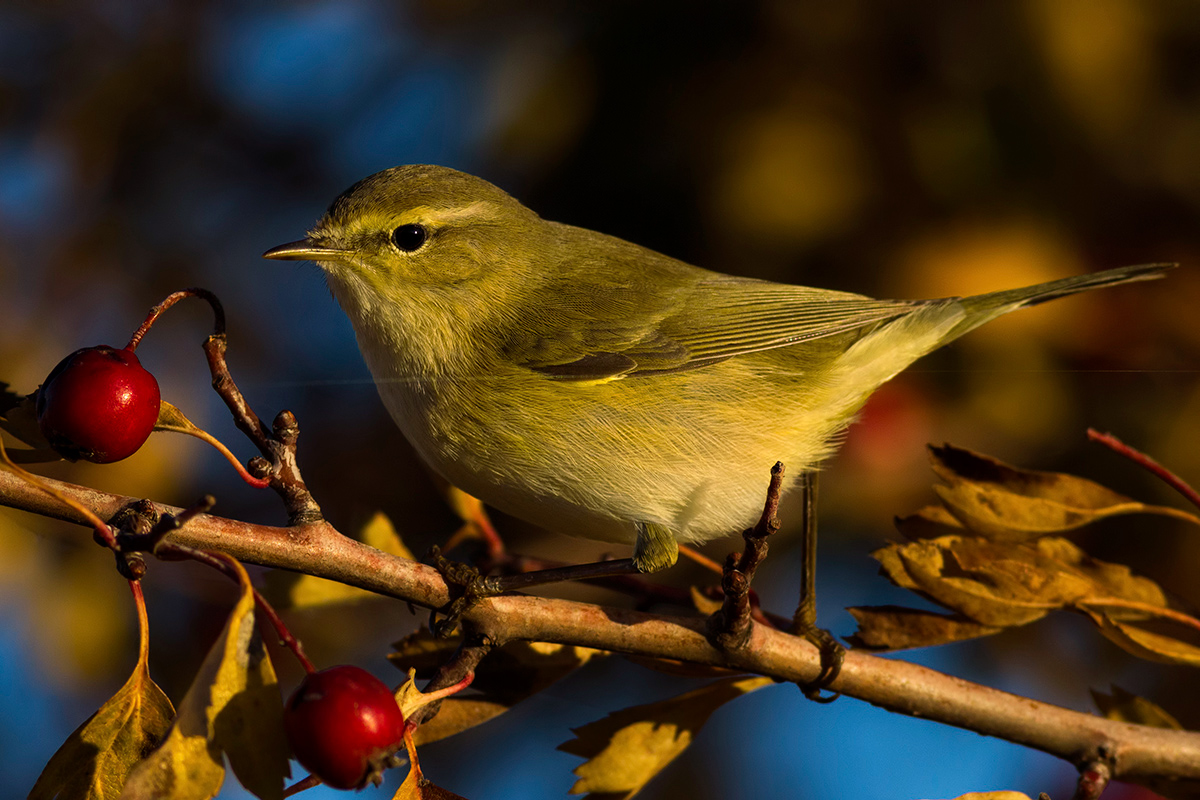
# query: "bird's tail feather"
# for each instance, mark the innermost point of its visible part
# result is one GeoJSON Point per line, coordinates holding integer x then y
{"type": "Point", "coordinates": [1010, 299]}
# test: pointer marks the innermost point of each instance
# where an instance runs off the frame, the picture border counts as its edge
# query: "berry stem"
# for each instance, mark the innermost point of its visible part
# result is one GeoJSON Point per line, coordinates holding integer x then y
{"type": "Point", "coordinates": [205, 436]}
{"type": "Point", "coordinates": [277, 444]}
{"type": "Point", "coordinates": [229, 566]}
{"type": "Point", "coordinates": [285, 635]}
{"type": "Point", "coordinates": [299, 786]}
{"type": "Point", "coordinates": [104, 534]}
{"type": "Point", "coordinates": [139, 602]}
{"type": "Point", "coordinates": [172, 299]}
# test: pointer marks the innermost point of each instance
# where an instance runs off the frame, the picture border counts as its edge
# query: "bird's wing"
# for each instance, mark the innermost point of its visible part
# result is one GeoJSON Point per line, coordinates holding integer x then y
{"type": "Point", "coordinates": [617, 330]}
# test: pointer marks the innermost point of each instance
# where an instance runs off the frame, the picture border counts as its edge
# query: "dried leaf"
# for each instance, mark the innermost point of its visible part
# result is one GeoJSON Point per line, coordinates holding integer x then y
{"type": "Point", "coordinates": [629, 747]}
{"type": "Point", "coordinates": [996, 592]}
{"type": "Point", "coordinates": [468, 507]}
{"type": "Point", "coordinates": [893, 566]}
{"type": "Point", "coordinates": [1004, 503]}
{"type": "Point", "coordinates": [682, 669]}
{"type": "Point", "coordinates": [1128, 707]}
{"type": "Point", "coordinates": [522, 669]}
{"type": "Point", "coordinates": [1003, 584]}
{"type": "Point", "coordinates": [455, 716]}
{"type": "Point", "coordinates": [232, 708]}
{"type": "Point", "coordinates": [1001, 795]}
{"type": "Point", "coordinates": [172, 419]}
{"type": "Point", "coordinates": [424, 652]}
{"type": "Point", "coordinates": [18, 417]}
{"type": "Point", "coordinates": [1143, 643]}
{"type": "Point", "coordinates": [929, 522]}
{"type": "Point", "coordinates": [704, 604]}
{"type": "Point", "coordinates": [509, 674]}
{"type": "Point", "coordinates": [94, 762]}
{"type": "Point", "coordinates": [287, 589]}
{"type": "Point", "coordinates": [408, 696]}
{"type": "Point", "coordinates": [897, 628]}
{"type": "Point", "coordinates": [417, 787]}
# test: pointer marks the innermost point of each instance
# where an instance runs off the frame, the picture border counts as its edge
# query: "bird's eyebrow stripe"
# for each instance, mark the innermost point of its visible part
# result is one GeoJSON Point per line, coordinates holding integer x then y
{"type": "Point", "coordinates": [478, 209]}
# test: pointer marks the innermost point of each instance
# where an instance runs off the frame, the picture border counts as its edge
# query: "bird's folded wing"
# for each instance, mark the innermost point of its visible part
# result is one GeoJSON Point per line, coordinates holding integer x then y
{"type": "Point", "coordinates": [614, 331]}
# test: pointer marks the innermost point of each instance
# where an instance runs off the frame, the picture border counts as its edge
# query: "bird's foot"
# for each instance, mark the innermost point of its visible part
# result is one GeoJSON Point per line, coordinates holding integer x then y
{"type": "Point", "coordinates": [472, 585]}
{"type": "Point", "coordinates": [832, 655]}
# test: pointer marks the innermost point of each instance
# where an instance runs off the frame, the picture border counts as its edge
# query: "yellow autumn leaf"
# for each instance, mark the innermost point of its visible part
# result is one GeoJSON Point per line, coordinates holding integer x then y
{"type": "Point", "coordinates": [1001, 795]}
{"type": "Point", "coordinates": [507, 676]}
{"type": "Point", "coordinates": [298, 590]}
{"type": "Point", "coordinates": [704, 604]}
{"type": "Point", "coordinates": [455, 716]}
{"type": "Point", "coordinates": [932, 568]}
{"type": "Point", "coordinates": [1004, 503]}
{"type": "Point", "coordinates": [94, 762]}
{"type": "Point", "coordinates": [1107, 579]}
{"type": "Point", "coordinates": [1141, 642]}
{"type": "Point", "coordinates": [417, 787]}
{"type": "Point", "coordinates": [1003, 584]}
{"type": "Point", "coordinates": [929, 522]}
{"type": "Point", "coordinates": [1126, 706]}
{"type": "Point", "coordinates": [233, 708]}
{"type": "Point", "coordinates": [467, 507]}
{"type": "Point", "coordinates": [18, 417]}
{"type": "Point", "coordinates": [626, 749]}
{"type": "Point", "coordinates": [899, 628]}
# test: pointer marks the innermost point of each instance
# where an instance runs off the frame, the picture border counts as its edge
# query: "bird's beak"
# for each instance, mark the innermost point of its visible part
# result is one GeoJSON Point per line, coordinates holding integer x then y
{"type": "Point", "coordinates": [304, 250]}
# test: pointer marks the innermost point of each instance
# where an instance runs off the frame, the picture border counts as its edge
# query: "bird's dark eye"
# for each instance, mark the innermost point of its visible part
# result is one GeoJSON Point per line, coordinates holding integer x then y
{"type": "Point", "coordinates": [410, 237]}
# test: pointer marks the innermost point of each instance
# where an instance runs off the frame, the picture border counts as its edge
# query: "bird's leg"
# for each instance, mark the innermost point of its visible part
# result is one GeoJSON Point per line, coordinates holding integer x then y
{"type": "Point", "coordinates": [655, 550]}
{"type": "Point", "coordinates": [804, 622]}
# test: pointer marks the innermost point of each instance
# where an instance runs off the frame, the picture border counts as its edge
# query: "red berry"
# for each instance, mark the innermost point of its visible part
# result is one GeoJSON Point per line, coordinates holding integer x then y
{"type": "Point", "coordinates": [343, 724]}
{"type": "Point", "coordinates": [98, 404]}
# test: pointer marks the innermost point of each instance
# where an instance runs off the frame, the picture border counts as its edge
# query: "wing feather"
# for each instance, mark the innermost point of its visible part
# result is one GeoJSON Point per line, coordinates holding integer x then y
{"type": "Point", "coordinates": [612, 309]}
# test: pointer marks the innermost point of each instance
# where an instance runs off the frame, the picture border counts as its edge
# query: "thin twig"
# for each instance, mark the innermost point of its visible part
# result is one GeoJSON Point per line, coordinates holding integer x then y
{"type": "Point", "coordinates": [1148, 463]}
{"type": "Point", "coordinates": [278, 445]}
{"type": "Point", "coordinates": [460, 667]}
{"type": "Point", "coordinates": [730, 625]}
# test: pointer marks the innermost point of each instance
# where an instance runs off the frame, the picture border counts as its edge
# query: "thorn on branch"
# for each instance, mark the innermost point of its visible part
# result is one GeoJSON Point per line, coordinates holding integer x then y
{"type": "Point", "coordinates": [729, 627]}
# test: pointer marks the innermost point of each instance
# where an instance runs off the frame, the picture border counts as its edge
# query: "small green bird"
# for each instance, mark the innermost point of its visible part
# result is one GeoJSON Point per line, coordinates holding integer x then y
{"type": "Point", "coordinates": [598, 388]}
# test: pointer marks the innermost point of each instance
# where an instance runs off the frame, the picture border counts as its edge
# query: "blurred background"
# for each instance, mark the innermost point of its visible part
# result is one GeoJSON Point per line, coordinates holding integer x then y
{"type": "Point", "coordinates": [893, 149]}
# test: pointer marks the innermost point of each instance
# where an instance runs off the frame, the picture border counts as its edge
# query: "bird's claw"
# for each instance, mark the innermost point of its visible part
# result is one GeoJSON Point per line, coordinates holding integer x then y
{"type": "Point", "coordinates": [832, 655]}
{"type": "Point", "coordinates": [474, 586]}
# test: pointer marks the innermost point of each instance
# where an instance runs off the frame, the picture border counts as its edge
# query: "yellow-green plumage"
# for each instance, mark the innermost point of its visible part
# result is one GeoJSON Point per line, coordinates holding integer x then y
{"type": "Point", "coordinates": [590, 385]}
